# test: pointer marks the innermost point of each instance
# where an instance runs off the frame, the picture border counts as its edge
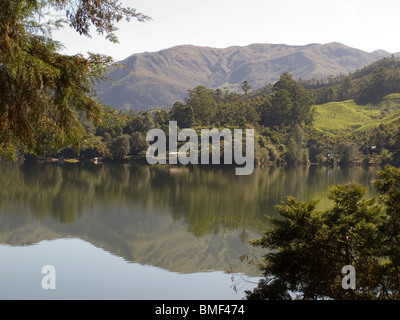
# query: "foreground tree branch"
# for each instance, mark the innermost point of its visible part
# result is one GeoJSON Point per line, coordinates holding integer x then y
{"type": "Point", "coordinates": [43, 91]}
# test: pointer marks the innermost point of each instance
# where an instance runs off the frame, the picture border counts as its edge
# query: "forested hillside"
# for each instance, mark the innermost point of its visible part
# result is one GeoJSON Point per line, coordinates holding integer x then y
{"type": "Point", "coordinates": [296, 123]}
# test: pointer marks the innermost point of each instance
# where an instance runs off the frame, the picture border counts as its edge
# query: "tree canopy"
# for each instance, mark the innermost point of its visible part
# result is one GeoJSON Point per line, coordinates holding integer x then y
{"type": "Point", "coordinates": [307, 248]}
{"type": "Point", "coordinates": [44, 91]}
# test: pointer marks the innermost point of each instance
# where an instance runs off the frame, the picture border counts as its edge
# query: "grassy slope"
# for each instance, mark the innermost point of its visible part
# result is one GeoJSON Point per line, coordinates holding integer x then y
{"type": "Point", "coordinates": [346, 116]}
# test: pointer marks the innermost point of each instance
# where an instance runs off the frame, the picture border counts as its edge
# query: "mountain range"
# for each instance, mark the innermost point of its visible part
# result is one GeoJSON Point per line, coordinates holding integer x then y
{"type": "Point", "coordinates": [158, 79]}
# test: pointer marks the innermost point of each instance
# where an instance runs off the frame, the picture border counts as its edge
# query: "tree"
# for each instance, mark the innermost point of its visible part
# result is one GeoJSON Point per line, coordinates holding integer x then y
{"type": "Point", "coordinates": [385, 157]}
{"type": "Point", "coordinates": [347, 152]}
{"type": "Point", "coordinates": [346, 89]}
{"type": "Point", "coordinates": [161, 117]}
{"type": "Point", "coordinates": [290, 104]}
{"type": "Point", "coordinates": [245, 87]}
{"type": "Point", "coordinates": [138, 143]}
{"type": "Point", "coordinates": [277, 110]}
{"type": "Point", "coordinates": [120, 147]}
{"type": "Point", "coordinates": [302, 100]}
{"type": "Point", "coordinates": [42, 90]}
{"type": "Point", "coordinates": [183, 115]}
{"type": "Point", "coordinates": [296, 152]}
{"type": "Point", "coordinates": [377, 87]}
{"type": "Point", "coordinates": [203, 103]}
{"type": "Point", "coordinates": [396, 155]}
{"type": "Point", "coordinates": [388, 186]}
{"type": "Point", "coordinates": [246, 109]}
{"type": "Point", "coordinates": [308, 248]}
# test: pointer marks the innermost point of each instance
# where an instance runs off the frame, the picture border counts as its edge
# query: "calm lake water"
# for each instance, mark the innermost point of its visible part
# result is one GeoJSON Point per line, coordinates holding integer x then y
{"type": "Point", "coordinates": [123, 231]}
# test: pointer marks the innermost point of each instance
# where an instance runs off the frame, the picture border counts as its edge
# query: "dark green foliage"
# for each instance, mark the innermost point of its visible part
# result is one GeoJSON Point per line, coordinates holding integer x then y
{"type": "Point", "coordinates": [346, 151]}
{"type": "Point", "coordinates": [43, 91]}
{"type": "Point", "coordinates": [138, 143]}
{"type": "Point", "coordinates": [388, 185]}
{"type": "Point", "coordinates": [183, 115]}
{"type": "Point", "coordinates": [202, 102]}
{"type": "Point", "coordinates": [120, 147]}
{"type": "Point", "coordinates": [296, 152]}
{"type": "Point", "coordinates": [290, 104]}
{"type": "Point", "coordinates": [307, 248]}
{"type": "Point", "coordinates": [367, 85]}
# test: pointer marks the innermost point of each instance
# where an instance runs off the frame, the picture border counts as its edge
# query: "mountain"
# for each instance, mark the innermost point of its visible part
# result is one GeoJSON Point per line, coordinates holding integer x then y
{"type": "Point", "coordinates": [159, 79]}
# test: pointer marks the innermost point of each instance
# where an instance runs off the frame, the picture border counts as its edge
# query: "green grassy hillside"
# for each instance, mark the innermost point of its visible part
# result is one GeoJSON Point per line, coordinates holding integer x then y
{"type": "Point", "coordinates": [347, 116]}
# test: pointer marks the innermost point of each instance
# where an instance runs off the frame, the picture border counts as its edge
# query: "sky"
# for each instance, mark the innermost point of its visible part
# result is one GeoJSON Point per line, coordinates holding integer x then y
{"type": "Point", "coordinates": [363, 24]}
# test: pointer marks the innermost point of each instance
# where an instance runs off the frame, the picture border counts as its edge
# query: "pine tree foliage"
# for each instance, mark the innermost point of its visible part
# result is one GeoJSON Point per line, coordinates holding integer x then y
{"type": "Point", "coordinates": [42, 91]}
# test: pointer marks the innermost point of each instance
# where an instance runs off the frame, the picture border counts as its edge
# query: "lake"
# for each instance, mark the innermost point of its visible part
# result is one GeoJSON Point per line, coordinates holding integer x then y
{"type": "Point", "coordinates": [128, 231]}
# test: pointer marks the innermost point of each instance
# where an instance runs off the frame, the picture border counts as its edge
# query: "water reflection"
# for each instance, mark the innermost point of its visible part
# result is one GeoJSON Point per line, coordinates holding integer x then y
{"type": "Point", "coordinates": [183, 219]}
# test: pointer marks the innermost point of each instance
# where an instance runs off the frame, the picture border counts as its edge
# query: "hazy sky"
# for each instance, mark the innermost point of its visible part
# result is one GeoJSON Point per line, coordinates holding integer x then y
{"type": "Point", "coordinates": [364, 24]}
